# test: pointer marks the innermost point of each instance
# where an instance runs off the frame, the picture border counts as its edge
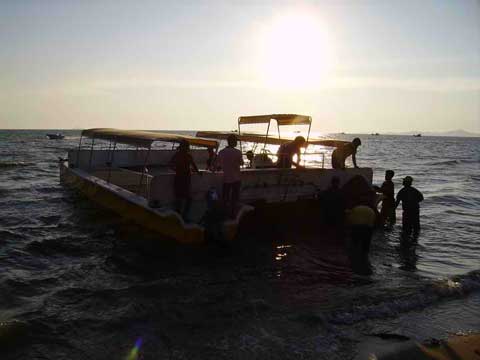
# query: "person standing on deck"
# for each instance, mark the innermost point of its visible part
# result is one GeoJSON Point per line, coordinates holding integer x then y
{"type": "Point", "coordinates": [230, 160]}
{"type": "Point", "coordinates": [341, 153]}
{"type": "Point", "coordinates": [182, 163]}
{"type": "Point", "coordinates": [287, 151]}
{"type": "Point", "coordinates": [410, 198]}
{"type": "Point", "coordinates": [388, 203]}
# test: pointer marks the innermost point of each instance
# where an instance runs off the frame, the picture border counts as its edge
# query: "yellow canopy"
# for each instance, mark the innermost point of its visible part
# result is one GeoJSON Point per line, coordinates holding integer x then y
{"type": "Point", "coordinates": [144, 138]}
{"type": "Point", "coordinates": [270, 140]}
{"type": "Point", "coordinates": [281, 119]}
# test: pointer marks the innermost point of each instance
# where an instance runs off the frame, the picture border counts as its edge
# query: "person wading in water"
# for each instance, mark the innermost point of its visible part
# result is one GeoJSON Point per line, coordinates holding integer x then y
{"type": "Point", "coordinates": [410, 198]}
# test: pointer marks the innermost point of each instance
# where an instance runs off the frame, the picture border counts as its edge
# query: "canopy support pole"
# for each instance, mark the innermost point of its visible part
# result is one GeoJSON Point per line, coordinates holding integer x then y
{"type": "Point", "coordinates": [78, 152]}
{"type": "Point", "coordinates": [239, 133]}
{"type": "Point", "coordinates": [266, 136]}
{"type": "Point", "coordinates": [112, 154]}
{"type": "Point", "coordinates": [306, 145]}
{"type": "Point", "coordinates": [143, 172]}
{"type": "Point", "coordinates": [91, 154]}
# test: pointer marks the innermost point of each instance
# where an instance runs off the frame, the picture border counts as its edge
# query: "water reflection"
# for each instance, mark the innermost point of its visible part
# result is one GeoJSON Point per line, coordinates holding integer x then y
{"type": "Point", "coordinates": [407, 255]}
{"type": "Point", "coordinates": [281, 252]}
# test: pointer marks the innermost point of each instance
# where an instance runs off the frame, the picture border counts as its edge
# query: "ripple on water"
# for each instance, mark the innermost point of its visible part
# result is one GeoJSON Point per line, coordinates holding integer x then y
{"type": "Point", "coordinates": [63, 278]}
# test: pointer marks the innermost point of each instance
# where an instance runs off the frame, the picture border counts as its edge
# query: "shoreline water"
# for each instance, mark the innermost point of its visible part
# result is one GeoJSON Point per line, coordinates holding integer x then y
{"type": "Point", "coordinates": [80, 298]}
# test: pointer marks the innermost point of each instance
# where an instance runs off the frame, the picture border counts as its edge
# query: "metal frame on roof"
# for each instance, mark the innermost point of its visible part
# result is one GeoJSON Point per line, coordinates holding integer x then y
{"type": "Point", "coordinates": [138, 139]}
{"type": "Point", "coordinates": [270, 140]}
{"type": "Point", "coordinates": [281, 119]}
{"type": "Point", "coordinates": [144, 138]}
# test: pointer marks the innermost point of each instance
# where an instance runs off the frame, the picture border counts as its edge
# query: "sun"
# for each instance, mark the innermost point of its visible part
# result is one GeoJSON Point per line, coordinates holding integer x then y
{"type": "Point", "coordinates": [295, 51]}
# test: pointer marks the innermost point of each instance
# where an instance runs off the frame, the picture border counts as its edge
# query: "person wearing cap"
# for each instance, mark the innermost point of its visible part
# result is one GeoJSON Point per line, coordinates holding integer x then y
{"type": "Point", "coordinates": [230, 160]}
{"type": "Point", "coordinates": [410, 198]}
{"type": "Point", "coordinates": [341, 153]}
{"type": "Point", "coordinates": [288, 150]}
{"type": "Point", "coordinates": [182, 163]}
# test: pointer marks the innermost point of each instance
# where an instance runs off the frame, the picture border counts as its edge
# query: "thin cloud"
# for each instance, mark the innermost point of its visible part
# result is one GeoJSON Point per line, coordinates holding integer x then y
{"type": "Point", "coordinates": [448, 84]}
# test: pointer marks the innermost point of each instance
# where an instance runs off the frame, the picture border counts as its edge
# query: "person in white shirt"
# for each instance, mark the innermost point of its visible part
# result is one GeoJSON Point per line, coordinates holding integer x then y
{"type": "Point", "coordinates": [229, 160]}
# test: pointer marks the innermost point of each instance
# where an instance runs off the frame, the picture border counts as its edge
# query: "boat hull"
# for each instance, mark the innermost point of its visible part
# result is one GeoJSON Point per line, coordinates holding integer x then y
{"type": "Point", "coordinates": [132, 207]}
{"type": "Point", "coordinates": [299, 207]}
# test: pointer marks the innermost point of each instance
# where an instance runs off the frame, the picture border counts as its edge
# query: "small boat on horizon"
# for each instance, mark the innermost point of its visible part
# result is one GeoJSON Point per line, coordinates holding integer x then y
{"type": "Point", "coordinates": [55, 136]}
{"type": "Point", "coordinates": [417, 135]}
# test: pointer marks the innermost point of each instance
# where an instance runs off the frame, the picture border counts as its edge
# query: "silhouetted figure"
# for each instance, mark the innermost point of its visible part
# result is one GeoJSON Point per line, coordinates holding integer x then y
{"type": "Point", "coordinates": [287, 151]}
{"type": "Point", "coordinates": [214, 217]}
{"type": "Point", "coordinates": [333, 203]}
{"type": "Point", "coordinates": [358, 191]}
{"type": "Point", "coordinates": [182, 163]}
{"type": "Point", "coordinates": [250, 158]}
{"type": "Point", "coordinates": [387, 214]}
{"type": "Point", "coordinates": [211, 158]}
{"type": "Point", "coordinates": [341, 153]}
{"type": "Point", "coordinates": [410, 198]}
{"type": "Point", "coordinates": [361, 220]}
{"type": "Point", "coordinates": [230, 159]}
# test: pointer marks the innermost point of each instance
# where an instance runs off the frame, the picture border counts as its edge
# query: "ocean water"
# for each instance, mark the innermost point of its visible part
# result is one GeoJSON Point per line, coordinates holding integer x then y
{"type": "Point", "coordinates": [73, 285]}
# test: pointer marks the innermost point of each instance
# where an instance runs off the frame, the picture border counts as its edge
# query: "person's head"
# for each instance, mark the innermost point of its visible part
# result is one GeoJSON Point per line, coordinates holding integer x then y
{"type": "Point", "coordinates": [335, 182]}
{"type": "Point", "coordinates": [232, 140]}
{"type": "Point", "coordinates": [300, 141]}
{"type": "Point", "coordinates": [249, 155]}
{"type": "Point", "coordinates": [184, 146]}
{"type": "Point", "coordinates": [356, 142]}
{"type": "Point", "coordinates": [389, 174]}
{"type": "Point", "coordinates": [407, 181]}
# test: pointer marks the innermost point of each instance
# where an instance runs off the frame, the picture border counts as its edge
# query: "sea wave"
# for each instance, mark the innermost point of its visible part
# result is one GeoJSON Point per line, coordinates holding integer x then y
{"type": "Point", "coordinates": [13, 164]}
{"type": "Point", "coordinates": [452, 162]}
{"type": "Point", "coordinates": [431, 293]}
{"type": "Point", "coordinates": [67, 245]}
{"type": "Point", "coordinates": [465, 202]}
{"type": "Point", "coordinates": [443, 162]}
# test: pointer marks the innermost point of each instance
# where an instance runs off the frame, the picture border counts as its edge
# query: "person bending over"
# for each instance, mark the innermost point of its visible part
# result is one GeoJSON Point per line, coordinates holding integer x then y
{"type": "Point", "coordinates": [341, 153]}
{"type": "Point", "coordinates": [287, 151]}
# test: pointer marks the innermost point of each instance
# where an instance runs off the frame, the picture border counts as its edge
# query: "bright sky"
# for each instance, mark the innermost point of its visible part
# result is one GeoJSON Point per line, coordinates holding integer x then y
{"type": "Point", "coordinates": [354, 66]}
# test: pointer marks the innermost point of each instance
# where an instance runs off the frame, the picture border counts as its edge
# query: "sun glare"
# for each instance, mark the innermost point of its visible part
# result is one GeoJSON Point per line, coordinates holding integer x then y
{"type": "Point", "coordinates": [295, 51]}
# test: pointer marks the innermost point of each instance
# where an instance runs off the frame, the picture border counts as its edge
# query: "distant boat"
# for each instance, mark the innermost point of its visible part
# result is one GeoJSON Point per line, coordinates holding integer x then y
{"type": "Point", "coordinates": [375, 134]}
{"type": "Point", "coordinates": [417, 135]}
{"type": "Point", "coordinates": [55, 136]}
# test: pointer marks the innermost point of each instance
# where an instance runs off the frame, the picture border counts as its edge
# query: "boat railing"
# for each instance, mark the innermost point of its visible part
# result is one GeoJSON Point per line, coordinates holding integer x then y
{"type": "Point", "coordinates": [306, 159]}
{"type": "Point", "coordinates": [133, 181]}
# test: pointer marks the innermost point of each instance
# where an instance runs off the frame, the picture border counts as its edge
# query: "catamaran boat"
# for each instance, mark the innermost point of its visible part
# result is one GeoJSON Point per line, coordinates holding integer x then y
{"type": "Point", "coordinates": [128, 173]}
{"type": "Point", "coordinates": [263, 182]}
